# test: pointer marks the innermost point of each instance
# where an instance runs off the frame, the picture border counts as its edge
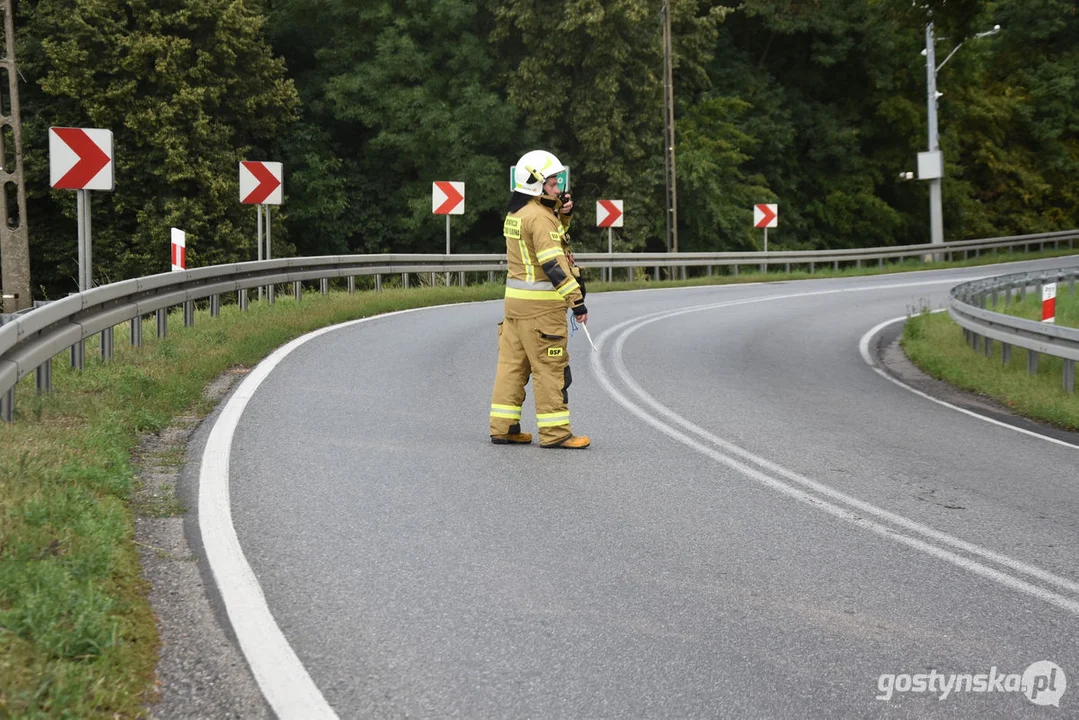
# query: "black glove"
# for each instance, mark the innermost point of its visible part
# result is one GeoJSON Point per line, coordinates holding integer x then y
{"type": "Point", "coordinates": [579, 310]}
{"type": "Point", "coordinates": [580, 282]}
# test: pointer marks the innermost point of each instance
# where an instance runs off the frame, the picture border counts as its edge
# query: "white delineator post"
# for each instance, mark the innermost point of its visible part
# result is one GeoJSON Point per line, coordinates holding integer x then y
{"type": "Point", "coordinates": [179, 250]}
{"type": "Point", "coordinates": [1049, 303]}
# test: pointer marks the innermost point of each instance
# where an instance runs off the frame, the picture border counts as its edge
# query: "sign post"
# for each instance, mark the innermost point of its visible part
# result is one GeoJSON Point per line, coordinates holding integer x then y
{"type": "Point", "coordinates": [609, 215]}
{"type": "Point", "coordinates": [262, 184]}
{"type": "Point", "coordinates": [447, 198]}
{"type": "Point", "coordinates": [179, 250]}
{"type": "Point", "coordinates": [81, 159]}
{"type": "Point", "coordinates": [1049, 303]}
{"type": "Point", "coordinates": [765, 215]}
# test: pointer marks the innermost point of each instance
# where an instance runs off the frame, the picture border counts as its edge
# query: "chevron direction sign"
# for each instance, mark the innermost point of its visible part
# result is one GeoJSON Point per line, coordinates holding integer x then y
{"type": "Point", "coordinates": [80, 158]}
{"type": "Point", "coordinates": [447, 198]}
{"type": "Point", "coordinates": [261, 183]}
{"type": "Point", "coordinates": [608, 213]}
{"type": "Point", "coordinates": [765, 215]}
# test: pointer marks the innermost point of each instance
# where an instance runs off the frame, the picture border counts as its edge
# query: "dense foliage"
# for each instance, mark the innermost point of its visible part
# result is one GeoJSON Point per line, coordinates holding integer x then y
{"type": "Point", "coordinates": [817, 105]}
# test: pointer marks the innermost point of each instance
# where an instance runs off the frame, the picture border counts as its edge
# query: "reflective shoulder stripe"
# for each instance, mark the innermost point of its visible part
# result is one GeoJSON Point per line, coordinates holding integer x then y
{"type": "Point", "coordinates": [525, 285]}
{"type": "Point", "coordinates": [545, 255]}
{"type": "Point", "coordinates": [533, 294]}
{"type": "Point", "coordinates": [512, 228]}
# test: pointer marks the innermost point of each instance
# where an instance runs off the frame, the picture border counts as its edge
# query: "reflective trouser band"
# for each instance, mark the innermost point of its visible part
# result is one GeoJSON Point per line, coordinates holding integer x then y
{"type": "Point", "coordinates": [510, 412]}
{"type": "Point", "coordinates": [533, 294]}
{"type": "Point", "coordinates": [552, 419]}
{"type": "Point", "coordinates": [527, 285]}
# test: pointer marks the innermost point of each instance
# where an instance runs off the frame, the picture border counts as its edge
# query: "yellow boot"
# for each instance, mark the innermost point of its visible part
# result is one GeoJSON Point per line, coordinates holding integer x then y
{"type": "Point", "coordinates": [513, 437]}
{"type": "Point", "coordinates": [571, 442]}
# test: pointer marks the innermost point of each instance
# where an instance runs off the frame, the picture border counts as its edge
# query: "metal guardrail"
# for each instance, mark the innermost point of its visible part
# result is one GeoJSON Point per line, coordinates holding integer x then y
{"type": "Point", "coordinates": [29, 340]}
{"type": "Point", "coordinates": [970, 306]}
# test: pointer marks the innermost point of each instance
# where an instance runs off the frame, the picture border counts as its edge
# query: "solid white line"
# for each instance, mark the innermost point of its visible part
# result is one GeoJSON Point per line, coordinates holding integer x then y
{"type": "Point", "coordinates": [281, 676]}
{"type": "Point", "coordinates": [813, 500]}
{"type": "Point", "coordinates": [863, 347]}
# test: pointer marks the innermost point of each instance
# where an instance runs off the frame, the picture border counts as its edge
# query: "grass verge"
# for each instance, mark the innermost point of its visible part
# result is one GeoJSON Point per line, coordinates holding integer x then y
{"type": "Point", "coordinates": [937, 346]}
{"type": "Point", "coordinates": [77, 635]}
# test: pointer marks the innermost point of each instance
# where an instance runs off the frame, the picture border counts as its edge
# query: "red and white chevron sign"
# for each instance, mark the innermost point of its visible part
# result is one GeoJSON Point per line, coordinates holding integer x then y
{"type": "Point", "coordinates": [261, 183]}
{"type": "Point", "coordinates": [765, 215]}
{"type": "Point", "coordinates": [447, 198]}
{"type": "Point", "coordinates": [608, 213]}
{"type": "Point", "coordinates": [80, 158]}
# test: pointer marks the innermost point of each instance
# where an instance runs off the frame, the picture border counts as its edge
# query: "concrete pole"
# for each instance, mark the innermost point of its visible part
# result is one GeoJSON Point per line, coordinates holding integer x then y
{"type": "Point", "coordinates": [936, 212]}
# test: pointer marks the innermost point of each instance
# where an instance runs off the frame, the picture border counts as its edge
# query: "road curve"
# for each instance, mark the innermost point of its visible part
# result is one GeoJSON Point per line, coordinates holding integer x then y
{"type": "Point", "coordinates": [764, 526]}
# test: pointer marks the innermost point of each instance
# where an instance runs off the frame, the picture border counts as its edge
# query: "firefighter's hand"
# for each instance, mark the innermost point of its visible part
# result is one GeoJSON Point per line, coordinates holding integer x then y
{"type": "Point", "coordinates": [567, 204]}
{"type": "Point", "coordinates": [582, 319]}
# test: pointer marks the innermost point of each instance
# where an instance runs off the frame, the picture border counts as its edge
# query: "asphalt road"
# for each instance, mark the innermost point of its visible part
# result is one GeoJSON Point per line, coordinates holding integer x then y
{"type": "Point", "coordinates": [763, 527]}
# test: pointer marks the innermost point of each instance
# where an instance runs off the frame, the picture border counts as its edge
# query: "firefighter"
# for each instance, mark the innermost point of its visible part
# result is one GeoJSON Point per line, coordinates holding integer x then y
{"type": "Point", "coordinates": [539, 287]}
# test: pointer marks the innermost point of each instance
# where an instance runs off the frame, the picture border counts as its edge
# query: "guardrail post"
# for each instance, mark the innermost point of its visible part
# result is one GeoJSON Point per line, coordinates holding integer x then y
{"type": "Point", "coordinates": [136, 331]}
{"type": "Point", "coordinates": [106, 344]}
{"type": "Point", "coordinates": [78, 355]}
{"type": "Point", "coordinates": [7, 406]}
{"type": "Point", "coordinates": [811, 267]}
{"type": "Point", "coordinates": [1069, 375]}
{"type": "Point", "coordinates": [215, 305]}
{"type": "Point", "coordinates": [461, 278]}
{"type": "Point", "coordinates": [271, 293]}
{"type": "Point", "coordinates": [763, 269]}
{"type": "Point", "coordinates": [835, 265]}
{"type": "Point", "coordinates": [490, 276]}
{"type": "Point", "coordinates": [241, 299]}
{"type": "Point", "coordinates": [880, 264]}
{"type": "Point", "coordinates": [297, 291]}
{"type": "Point", "coordinates": [162, 322]}
{"type": "Point", "coordinates": [324, 286]}
{"type": "Point", "coordinates": [43, 377]}
{"type": "Point", "coordinates": [734, 270]}
{"type": "Point", "coordinates": [435, 282]}
{"type": "Point", "coordinates": [655, 272]}
{"type": "Point", "coordinates": [988, 343]}
{"type": "Point", "coordinates": [351, 285]}
{"type": "Point", "coordinates": [1005, 353]}
{"type": "Point", "coordinates": [709, 271]}
{"type": "Point", "coordinates": [378, 283]}
{"type": "Point", "coordinates": [189, 313]}
{"type": "Point", "coordinates": [404, 280]}
{"type": "Point", "coordinates": [1032, 362]}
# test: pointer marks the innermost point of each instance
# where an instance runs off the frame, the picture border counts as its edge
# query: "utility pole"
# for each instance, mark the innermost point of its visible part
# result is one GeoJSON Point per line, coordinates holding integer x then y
{"type": "Point", "coordinates": [14, 240]}
{"type": "Point", "coordinates": [668, 133]}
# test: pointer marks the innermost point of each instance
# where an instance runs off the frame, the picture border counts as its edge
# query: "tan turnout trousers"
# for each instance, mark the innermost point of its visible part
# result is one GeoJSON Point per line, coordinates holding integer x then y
{"type": "Point", "coordinates": [533, 346]}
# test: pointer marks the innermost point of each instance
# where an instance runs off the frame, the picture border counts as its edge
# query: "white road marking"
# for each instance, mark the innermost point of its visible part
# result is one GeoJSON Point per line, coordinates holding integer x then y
{"type": "Point", "coordinates": [820, 491]}
{"type": "Point", "coordinates": [281, 676]}
{"type": "Point", "coordinates": [863, 346]}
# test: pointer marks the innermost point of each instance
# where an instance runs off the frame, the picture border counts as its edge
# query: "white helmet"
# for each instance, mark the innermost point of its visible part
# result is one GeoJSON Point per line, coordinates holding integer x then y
{"type": "Point", "coordinates": [533, 169]}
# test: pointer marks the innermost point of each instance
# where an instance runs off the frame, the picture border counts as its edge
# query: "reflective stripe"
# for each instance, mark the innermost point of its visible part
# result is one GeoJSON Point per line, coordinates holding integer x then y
{"type": "Point", "coordinates": [525, 285]}
{"type": "Point", "coordinates": [552, 419]}
{"type": "Point", "coordinates": [530, 269]}
{"type": "Point", "coordinates": [546, 255]}
{"type": "Point", "coordinates": [533, 294]}
{"type": "Point", "coordinates": [511, 412]}
{"type": "Point", "coordinates": [568, 287]}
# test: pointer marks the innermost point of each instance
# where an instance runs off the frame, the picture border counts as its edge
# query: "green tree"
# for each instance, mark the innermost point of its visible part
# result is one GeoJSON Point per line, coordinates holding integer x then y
{"type": "Point", "coordinates": [189, 88]}
{"type": "Point", "coordinates": [404, 92]}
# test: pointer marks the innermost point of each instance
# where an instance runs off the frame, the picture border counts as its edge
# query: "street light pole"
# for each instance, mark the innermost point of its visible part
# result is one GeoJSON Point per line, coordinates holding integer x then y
{"type": "Point", "coordinates": [936, 214]}
{"type": "Point", "coordinates": [931, 168]}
